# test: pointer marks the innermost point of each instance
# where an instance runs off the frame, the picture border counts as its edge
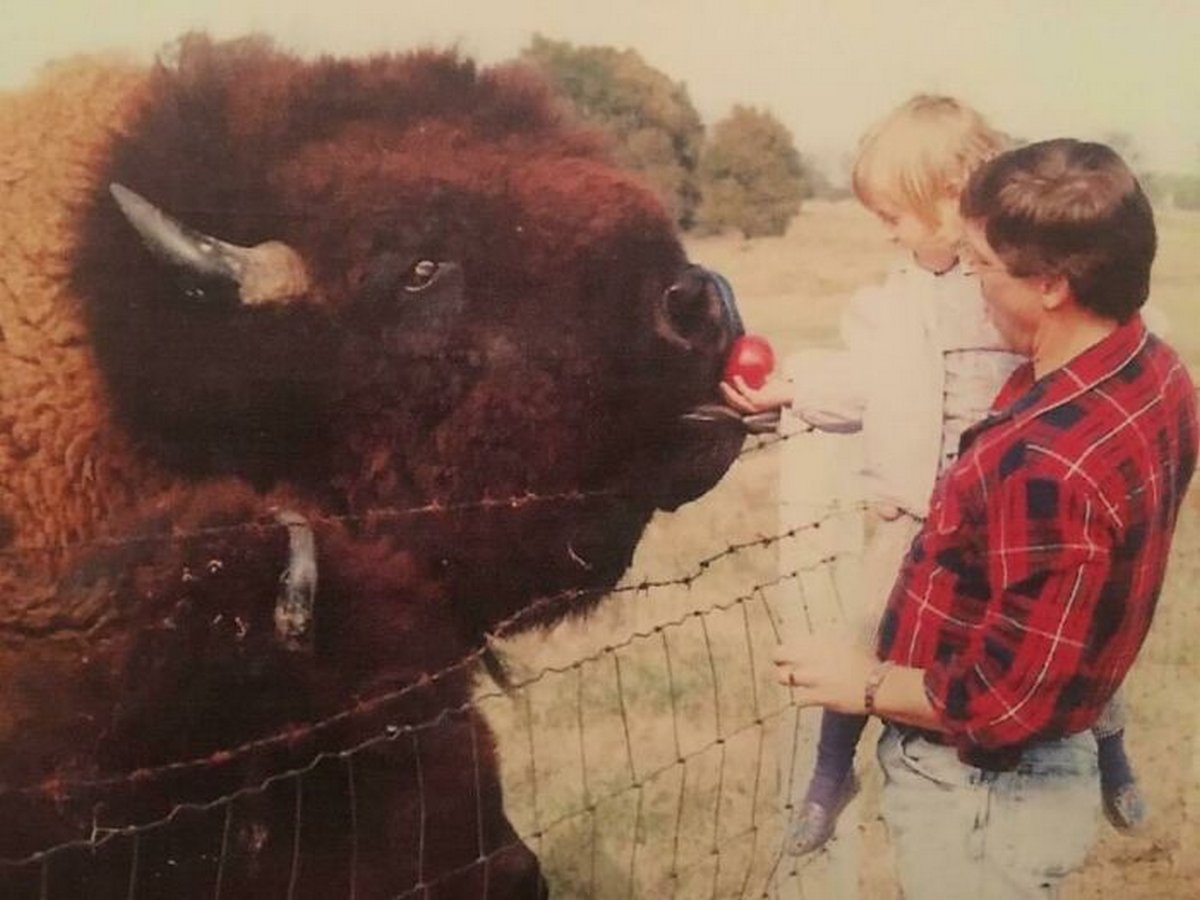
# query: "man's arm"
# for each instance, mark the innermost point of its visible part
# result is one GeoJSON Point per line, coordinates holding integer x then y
{"type": "Point", "coordinates": [833, 673]}
{"type": "Point", "coordinates": [1020, 672]}
{"type": "Point", "coordinates": [901, 698]}
{"type": "Point", "coordinates": [826, 388]}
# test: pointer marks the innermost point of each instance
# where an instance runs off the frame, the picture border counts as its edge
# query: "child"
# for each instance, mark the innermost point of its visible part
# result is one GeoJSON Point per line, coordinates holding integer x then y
{"type": "Point", "coordinates": [921, 363]}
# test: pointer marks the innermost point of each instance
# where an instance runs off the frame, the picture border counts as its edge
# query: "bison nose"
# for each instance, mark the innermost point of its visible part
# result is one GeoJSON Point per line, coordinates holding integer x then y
{"type": "Point", "coordinates": [699, 312]}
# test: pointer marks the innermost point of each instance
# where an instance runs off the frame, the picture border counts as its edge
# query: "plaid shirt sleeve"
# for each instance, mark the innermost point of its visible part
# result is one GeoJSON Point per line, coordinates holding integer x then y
{"type": "Point", "coordinates": [1020, 674]}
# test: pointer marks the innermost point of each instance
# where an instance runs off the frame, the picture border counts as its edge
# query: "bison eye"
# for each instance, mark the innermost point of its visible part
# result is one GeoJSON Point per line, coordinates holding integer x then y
{"type": "Point", "coordinates": [394, 278]}
{"type": "Point", "coordinates": [420, 276]}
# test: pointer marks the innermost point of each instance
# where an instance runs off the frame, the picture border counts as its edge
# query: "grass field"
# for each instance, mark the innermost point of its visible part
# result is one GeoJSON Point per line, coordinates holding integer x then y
{"type": "Point", "coordinates": [650, 755]}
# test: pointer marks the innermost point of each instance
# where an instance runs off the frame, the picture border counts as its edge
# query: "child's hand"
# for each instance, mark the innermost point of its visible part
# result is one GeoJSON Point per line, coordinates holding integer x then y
{"type": "Point", "coordinates": [775, 393]}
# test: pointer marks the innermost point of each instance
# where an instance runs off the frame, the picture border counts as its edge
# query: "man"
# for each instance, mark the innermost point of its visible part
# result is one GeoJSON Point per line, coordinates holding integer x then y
{"type": "Point", "coordinates": [1025, 598]}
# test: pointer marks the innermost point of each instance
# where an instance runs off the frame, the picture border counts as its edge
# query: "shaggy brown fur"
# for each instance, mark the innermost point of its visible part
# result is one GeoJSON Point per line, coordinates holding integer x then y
{"type": "Point", "coordinates": [64, 466]}
{"type": "Point", "coordinates": [463, 453]}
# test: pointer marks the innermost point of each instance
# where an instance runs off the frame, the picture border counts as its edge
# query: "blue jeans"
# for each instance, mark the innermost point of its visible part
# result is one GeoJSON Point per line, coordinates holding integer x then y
{"type": "Point", "coordinates": [960, 832]}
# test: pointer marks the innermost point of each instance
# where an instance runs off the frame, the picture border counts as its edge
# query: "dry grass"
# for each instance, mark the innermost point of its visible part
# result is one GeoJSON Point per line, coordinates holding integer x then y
{"type": "Point", "coordinates": [656, 763]}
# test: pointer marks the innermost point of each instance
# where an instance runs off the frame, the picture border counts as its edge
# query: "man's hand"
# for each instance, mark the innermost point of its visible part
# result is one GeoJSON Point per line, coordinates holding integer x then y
{"type": "Point", "coordinates": [828, 670]}
{"type": "Point", "coordinates": [775, 393]}
{"type": "Point", "coordinates": [831, 670]}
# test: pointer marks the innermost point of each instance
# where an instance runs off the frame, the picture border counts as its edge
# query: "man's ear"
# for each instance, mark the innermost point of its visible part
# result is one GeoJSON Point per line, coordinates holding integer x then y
{"type": "Point", "coordinates": [1055, 291]}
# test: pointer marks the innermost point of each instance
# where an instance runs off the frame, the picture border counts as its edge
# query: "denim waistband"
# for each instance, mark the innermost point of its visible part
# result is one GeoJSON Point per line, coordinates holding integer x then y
{"type": "Point", "coordinates": [908, 732]}
{"type": "Point", "coordinates": [991, 759]}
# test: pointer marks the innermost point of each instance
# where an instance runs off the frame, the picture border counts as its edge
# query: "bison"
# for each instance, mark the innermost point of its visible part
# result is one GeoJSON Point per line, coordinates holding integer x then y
{"type": "Point", "coordinates": [313, 376]}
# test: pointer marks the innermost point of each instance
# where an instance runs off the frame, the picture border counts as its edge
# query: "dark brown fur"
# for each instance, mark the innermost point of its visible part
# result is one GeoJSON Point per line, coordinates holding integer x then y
{"type": "Point", "coordinates": [481, 459]}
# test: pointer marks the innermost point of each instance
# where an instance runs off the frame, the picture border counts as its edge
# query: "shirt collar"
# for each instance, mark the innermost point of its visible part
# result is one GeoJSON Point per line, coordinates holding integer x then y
{"type": "Point", "coordinates": [908, 265]}
{"type": "Point", "coordinates": [1094, 365]}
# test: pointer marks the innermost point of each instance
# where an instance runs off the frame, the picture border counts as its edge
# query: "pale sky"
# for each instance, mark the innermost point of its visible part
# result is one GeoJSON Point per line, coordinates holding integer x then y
{"type": "Point", "coordinates": [826, 68]}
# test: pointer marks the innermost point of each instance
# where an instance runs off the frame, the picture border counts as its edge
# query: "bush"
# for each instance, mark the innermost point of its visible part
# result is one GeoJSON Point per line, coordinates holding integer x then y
{"type": "Point", "coordinates": [655, 128]}
{"type": "Point", "coordinates": [751, 175]}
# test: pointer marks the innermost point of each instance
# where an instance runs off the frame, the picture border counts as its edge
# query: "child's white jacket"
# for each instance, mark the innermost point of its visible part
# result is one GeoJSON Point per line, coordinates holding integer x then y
{"type": "Point", "coordinates": [890, 377]}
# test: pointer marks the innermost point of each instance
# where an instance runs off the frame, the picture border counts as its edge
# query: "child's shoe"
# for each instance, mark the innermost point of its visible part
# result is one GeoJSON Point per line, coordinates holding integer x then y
{"type": "Point", "coordinates": [814, 824]}
{"type": "Point", "coordinates": [1125, 807]}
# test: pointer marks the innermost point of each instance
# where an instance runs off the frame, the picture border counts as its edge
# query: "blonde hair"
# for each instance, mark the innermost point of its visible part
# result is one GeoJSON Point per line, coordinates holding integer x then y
{"type": "Point", "coordinates": [922, 154]}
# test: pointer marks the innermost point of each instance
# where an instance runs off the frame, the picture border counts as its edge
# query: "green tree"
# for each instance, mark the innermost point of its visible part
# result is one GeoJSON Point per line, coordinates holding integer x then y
{"type": "Point", "coordinates": [751, 175]}
{"type": "Point", "coordinates": [655, 128]}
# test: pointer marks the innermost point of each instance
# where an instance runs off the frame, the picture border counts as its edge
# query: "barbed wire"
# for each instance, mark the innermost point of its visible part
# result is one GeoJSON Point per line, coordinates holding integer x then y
{"type": "Point", "coordinates": [511, 624]}
{"type": "Point", "coordinates": [639, 777]}
{"type": "Point", "coordinates": [374, 515]}
{"type": "Point", "coordinates": [60, 789]}
{"type": "Point", "coordinates": [100, 835]}
{"type": "Point", "coordinates": [638, 782]}
{"type": "Point", "coordinates": [383, 514]}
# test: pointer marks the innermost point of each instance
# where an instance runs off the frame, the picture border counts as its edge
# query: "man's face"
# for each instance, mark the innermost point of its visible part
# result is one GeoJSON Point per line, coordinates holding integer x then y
{"type": "Point", "coordinates": [1014, 305]}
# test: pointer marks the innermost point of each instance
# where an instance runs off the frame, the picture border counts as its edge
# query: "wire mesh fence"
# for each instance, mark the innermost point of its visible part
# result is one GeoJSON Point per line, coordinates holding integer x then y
{"type": "Point", "coordinates": [645, 752]}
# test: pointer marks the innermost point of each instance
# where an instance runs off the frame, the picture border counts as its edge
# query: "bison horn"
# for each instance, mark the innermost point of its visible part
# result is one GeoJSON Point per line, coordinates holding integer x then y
{"type": "Point", "coordinates": [266, 273]}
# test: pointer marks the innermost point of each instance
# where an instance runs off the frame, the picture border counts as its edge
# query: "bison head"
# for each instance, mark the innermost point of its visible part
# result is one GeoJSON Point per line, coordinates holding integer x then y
{"type": "Point", "coordinates": [404, 284]}
{"type": "Point", "coordinates": [412, 304]}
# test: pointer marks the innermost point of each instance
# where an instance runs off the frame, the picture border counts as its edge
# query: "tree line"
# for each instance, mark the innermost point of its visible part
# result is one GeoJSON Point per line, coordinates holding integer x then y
{"type": "Point", "coordinates": [744, 174]}
{"type": "Point", "coordinates": [1178, 189]}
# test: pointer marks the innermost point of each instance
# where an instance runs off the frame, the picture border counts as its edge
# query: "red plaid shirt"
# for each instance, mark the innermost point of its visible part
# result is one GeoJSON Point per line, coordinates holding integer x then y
{"type": "Point", "coordinates": [1029, 591]}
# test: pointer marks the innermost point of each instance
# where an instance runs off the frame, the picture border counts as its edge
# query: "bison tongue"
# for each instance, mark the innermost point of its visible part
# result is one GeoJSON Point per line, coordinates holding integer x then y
{"type": "Point", "coordinates": [717, 413]}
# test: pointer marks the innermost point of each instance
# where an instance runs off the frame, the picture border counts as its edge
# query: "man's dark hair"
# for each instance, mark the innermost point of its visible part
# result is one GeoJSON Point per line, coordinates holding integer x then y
{"type": "Point", "coordinates": [1069, 208]}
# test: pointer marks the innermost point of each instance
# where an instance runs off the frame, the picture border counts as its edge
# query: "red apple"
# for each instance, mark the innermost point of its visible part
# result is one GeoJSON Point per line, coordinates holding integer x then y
{"type": "Point", "coordinates": [752, 358]}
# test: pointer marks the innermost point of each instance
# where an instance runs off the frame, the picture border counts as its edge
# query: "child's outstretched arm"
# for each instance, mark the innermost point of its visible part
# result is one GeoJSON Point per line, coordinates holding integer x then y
{"type": "Point", "coordinates": [822, 388]}
{"type": "Point", "coordinates": [827, 388]}
{"type": "Point", "coordinates": [775, 393]}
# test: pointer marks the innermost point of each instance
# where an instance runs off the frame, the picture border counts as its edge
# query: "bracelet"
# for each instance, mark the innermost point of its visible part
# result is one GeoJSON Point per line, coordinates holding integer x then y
{"type": "Point", "coordinates": [874, 680]}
